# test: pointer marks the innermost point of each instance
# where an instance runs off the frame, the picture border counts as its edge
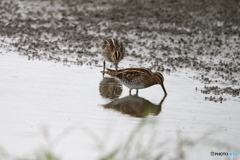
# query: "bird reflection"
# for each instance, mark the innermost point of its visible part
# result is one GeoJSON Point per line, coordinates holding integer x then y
{"type": "Point", "coordinates": [110, 88]}
{"type": "Point", "coordinates": [135, 106]}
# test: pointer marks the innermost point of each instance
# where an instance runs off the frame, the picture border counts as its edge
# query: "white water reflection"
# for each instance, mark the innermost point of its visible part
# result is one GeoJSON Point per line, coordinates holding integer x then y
{"type": "Point", "coordinates": [37, 93]}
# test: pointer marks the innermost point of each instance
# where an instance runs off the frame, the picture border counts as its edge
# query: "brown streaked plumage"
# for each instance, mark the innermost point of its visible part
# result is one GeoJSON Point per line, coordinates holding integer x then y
{"type": "Point", "coordinates": [113, 51]}
{"type": "Point", "coordinates": [135, 106]}
{"type": "Point", "coordinates": [137, 78]}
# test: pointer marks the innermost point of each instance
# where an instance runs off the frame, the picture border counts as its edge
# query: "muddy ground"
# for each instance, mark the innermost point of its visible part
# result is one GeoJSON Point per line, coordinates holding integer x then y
{"type": "Point", "coordinates": [201, 37]}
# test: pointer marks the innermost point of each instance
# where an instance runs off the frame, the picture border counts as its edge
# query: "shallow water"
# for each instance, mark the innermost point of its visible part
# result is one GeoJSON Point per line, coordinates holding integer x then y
{"type": "Point", "coordinates": [37, 97]}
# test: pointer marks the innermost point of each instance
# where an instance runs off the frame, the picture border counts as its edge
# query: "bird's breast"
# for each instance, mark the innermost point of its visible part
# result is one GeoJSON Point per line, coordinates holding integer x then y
{"type": "Point", "coordinates": [133, 85]}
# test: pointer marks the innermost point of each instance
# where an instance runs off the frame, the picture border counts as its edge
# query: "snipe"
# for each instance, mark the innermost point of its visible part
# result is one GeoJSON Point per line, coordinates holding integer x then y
{"type": "Point", "coordinates": [137, 78]}
{"type": "Point", "coordinates": [113, 51]}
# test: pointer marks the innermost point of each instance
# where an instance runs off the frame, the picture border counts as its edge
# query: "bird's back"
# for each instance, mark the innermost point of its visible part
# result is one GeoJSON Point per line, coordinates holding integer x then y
{"type": "Point", "coordinates": [133, 77]}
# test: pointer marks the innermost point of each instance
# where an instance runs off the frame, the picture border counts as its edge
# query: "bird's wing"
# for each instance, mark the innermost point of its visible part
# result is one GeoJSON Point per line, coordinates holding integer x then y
{"type": "Point", "coordinates": [129, 75]}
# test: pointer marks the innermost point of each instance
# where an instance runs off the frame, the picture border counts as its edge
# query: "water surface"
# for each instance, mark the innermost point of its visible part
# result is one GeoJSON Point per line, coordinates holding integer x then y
{"type": "Point", "coordinates": [41, 97]}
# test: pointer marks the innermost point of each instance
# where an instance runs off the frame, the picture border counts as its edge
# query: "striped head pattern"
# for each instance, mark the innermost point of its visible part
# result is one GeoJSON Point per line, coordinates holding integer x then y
{"type": "Point", "coordinates": [159, 79]}
{"type": "Point", "coordinates": [114, 49]}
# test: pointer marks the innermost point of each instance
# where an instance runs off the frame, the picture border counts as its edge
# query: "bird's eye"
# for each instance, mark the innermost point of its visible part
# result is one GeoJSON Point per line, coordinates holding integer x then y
{"type": "Point", "coordinates": [160, 78]}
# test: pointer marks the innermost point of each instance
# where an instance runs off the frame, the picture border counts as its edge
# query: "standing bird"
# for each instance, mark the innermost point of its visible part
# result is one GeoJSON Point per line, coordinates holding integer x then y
{"type": "Point", "coordinates": [113, 51]}
{"type": "Point", "coordinates": [137, 78]}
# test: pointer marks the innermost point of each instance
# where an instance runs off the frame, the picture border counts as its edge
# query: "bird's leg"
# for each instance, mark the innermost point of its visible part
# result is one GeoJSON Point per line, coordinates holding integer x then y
{"type": "Point", "coordinates": [116, 66]}
{"type": "Point", "coordinates": [104, 63]}
{"type": "Point", "coordinates": [130, 91]}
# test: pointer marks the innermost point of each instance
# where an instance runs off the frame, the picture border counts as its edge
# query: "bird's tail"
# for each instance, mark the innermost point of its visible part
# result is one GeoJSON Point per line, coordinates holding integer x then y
{"type": "Point", "coordinates": [110, 72]}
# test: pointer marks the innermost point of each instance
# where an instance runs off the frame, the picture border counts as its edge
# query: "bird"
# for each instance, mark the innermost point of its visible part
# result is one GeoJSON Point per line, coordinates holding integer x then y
{"type": "Point", "coordinates": [113, 51]}
{"type": "Point", "coordinates": [137, 78]}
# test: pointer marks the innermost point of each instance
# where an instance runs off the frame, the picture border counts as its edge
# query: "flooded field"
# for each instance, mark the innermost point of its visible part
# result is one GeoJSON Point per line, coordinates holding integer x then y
{"type": "Point", "coordinates": [41, 96]}
{"type": "Point", "coordinates": [55, 102]}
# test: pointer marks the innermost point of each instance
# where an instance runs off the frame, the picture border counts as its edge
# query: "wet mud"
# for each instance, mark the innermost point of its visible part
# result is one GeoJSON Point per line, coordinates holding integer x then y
{"type": "Point", "coordinates": [201, 37]}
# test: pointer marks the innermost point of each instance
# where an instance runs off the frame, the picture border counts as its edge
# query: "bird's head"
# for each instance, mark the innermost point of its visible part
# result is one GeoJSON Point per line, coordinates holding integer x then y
{"type": "Point", "coordinates": [159, 79]}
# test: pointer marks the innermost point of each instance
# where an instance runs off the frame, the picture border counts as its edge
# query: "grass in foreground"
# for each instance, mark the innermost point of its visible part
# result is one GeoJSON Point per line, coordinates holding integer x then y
{"type": "Point", "coordinates": [136, 146]}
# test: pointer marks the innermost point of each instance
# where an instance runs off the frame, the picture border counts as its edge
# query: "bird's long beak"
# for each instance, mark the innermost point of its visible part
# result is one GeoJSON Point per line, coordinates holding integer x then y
{"type": "Point", "coordinates": [164, 89]}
